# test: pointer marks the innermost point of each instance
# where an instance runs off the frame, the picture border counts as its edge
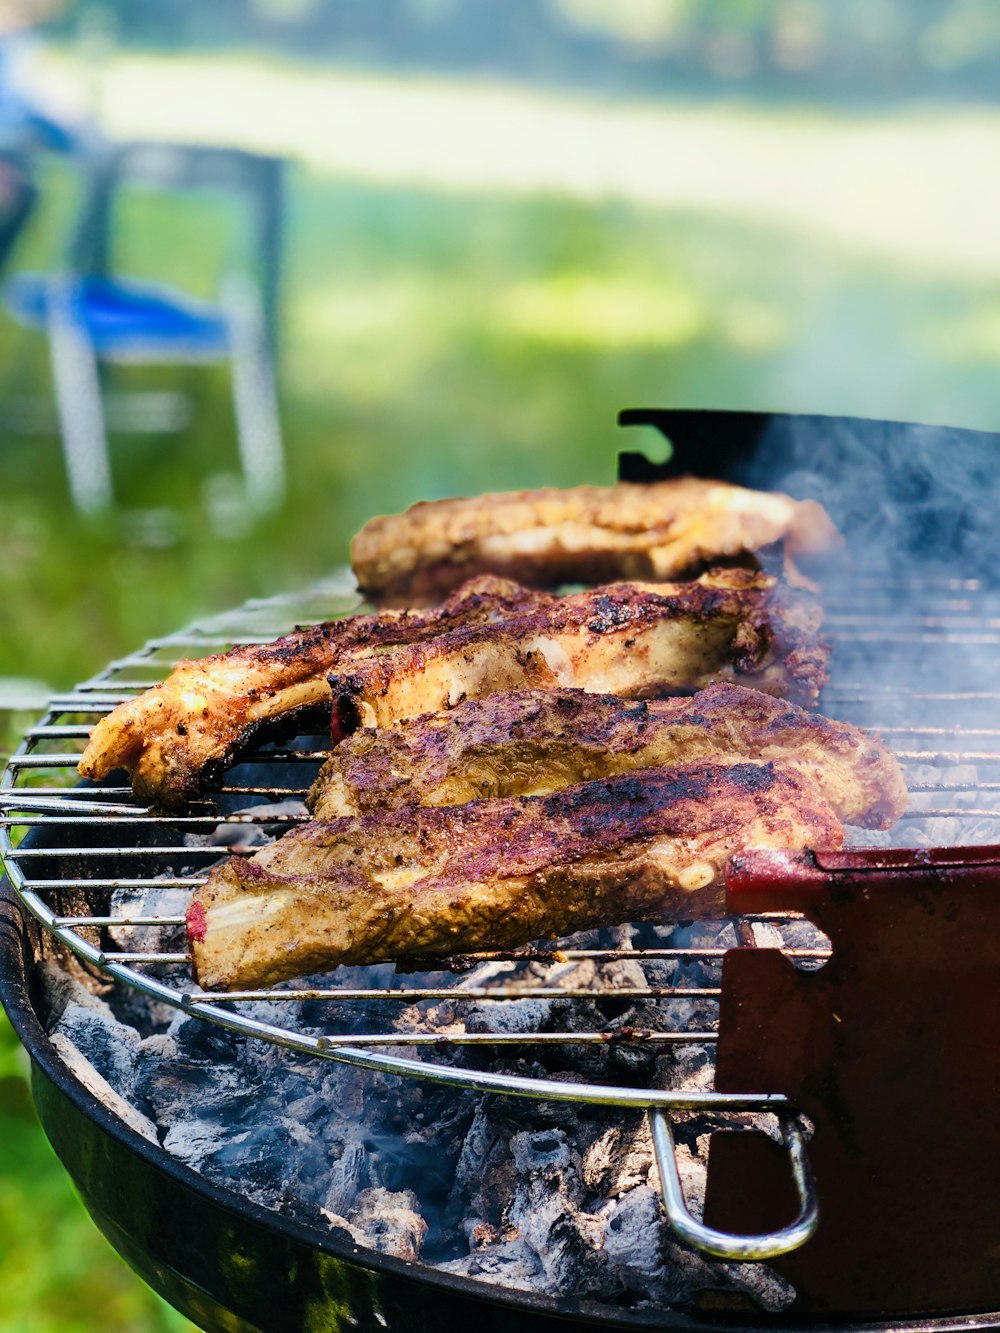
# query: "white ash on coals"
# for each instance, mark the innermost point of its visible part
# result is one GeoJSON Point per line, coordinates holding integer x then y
{"type": "Point", "coordinates": [553, 1197]}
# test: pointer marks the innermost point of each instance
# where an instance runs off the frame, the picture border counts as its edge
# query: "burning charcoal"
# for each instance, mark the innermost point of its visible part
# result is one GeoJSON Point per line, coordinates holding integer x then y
{"type": "Point", "coordinates": [81, 1068]}
{"type": "Point", "coordinates": [255, 1151]}
{"type": "Point", "coordinates": [143, 903]}
{"type": "Point", "coordinates": [543, 1153]}
{"type": "Point", "coordinates": [972, 831]}
{"type": "Point", "coordinates": [240, 838]}
{"type": "Point", "coordinates": [203, 1042]}
{"type": "Point", "coordinates": [386, 1222]}
{"type": "Point", "coordinates": [524, 1185]}
{"type": "Point", "coordinates": [633, 1242]}
{"type": "Point", "coordinates": [112, 1048]}
{"type": "Point", "coordinates": [194, 1141]}
{"type": "Point", "coordinates": [510, 1263]}
{"type": "Point", "coordinates": [546, 1211]}
{"type": "Point", "coordinates": [685, 1067]}
{"type": "Point", "coordinates": [305, 1109]}
{"type": "Point", "coordinates": [619, 1158]}
{"type": "Point", "coordinates": [484, 1172]}
{"type": "Point", "coordinates": [508, 1016]}
{"type": "Point", "coordinates": [631, 1060]}
{"type": "Point", "coordinates": [547, 1195]}
{"type": "Point", "coordinates": [621, 974]}
{"type": "Point", "coordinates": [349, 1174]}
{"type": "Point", "coordinates": [505, 974]}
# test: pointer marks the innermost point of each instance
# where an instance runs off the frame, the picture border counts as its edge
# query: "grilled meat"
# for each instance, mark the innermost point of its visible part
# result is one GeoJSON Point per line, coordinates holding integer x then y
{"type": "Point", "coordinates": [633, 640]}
{"type": "Point", "coordinates": [589, 534]}
{"type": "Point", "coordinates": [496, 873]}
{"type": "Point", "coordinates": [175, 735]}
{"type": "Point", "coordinates": [534, 742]}
{"type": "Point", "coordinates": [171, 737]}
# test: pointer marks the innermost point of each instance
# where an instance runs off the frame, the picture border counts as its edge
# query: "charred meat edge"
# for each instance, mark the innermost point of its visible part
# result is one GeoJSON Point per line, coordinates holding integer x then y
{"type": "Point", "coordinates": [175, 736]}
{"type": "Point", "coordinates": [632, 640]}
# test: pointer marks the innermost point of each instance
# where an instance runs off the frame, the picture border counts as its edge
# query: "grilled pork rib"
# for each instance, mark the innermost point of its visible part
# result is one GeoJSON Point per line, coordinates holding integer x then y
{"type": "Point", "coordinates": [172, 736]}
{"type": "Point", "coordinates": [534, 742]}
{"type": "Point", "coordinates": [633, 640]}
{"type": "Point", "coordinates": [494, 873]}
{"type": "Point", "coordinates": [589, 534]}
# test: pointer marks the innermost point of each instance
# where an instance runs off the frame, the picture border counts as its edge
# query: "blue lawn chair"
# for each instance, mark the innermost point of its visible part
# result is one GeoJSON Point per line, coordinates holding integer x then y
{"type": "Point", "coordinates": [91, 315]}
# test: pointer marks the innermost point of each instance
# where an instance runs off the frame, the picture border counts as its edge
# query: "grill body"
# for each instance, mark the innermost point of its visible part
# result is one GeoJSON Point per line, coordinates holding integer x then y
{"type": "Point", "coordinates": [219, 1258]}
{"type": "Point", "coordinates": [233, 1267]}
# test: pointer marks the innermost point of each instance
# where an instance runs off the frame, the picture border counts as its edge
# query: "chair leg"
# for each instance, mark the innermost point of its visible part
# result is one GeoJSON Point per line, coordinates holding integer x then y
{"type": "Point", "coordinates": [78, 399]}
{"type": "Point", "coordinates": [255, 398]}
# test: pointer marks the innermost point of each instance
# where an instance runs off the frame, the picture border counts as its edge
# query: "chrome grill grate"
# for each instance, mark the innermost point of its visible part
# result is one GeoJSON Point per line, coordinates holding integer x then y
{"type": "Point", "coordinates": [90, 842]}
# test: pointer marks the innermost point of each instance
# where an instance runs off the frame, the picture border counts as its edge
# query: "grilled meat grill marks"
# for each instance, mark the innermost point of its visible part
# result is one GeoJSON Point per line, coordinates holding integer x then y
{"type": "Point", "coordinates": [491, 634]}
{"type": "Point", "coordinates": [171, 737]}
{"type": "Point", "coordinates": [494, 873]}
{"type": "Point", "coordinates": [633, 640]}
{"type": "Point", "coordinates": [587, 534]}
{"type": "Point", "coordinates": [533, 742]}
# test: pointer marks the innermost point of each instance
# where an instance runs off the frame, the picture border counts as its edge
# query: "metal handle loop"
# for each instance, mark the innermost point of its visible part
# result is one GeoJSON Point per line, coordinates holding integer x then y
{"type": "Point", "coordinates": [722, 1244]}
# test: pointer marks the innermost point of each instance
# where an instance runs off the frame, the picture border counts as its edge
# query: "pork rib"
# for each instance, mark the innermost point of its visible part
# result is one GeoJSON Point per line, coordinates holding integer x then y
{"type": "Point", "coordinates": [588, 534]}
{"type": "Point", "coordinates": [494, 874]}
{"type": "Point", "coordinates": [172, 737]}
{"type": "Point", "coordinates": [633, 640]}
{"type": "Point", "coordinates": [534, 742]}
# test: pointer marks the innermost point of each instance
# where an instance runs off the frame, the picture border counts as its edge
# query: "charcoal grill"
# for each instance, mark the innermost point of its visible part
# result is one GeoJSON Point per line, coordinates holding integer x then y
{"type": "Point", "coordinates": [69, 846]}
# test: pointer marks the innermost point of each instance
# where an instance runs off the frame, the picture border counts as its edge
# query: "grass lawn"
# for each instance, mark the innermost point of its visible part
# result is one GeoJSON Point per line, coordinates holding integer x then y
{"type": "Point", "coordinates": [435, 342]}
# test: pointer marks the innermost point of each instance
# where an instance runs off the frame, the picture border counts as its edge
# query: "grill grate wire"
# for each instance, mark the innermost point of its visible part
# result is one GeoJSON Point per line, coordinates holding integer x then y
{"type": "Point", "coordinates": [31, 799]}
{"type": "Point", "coordinates": [933, 724]}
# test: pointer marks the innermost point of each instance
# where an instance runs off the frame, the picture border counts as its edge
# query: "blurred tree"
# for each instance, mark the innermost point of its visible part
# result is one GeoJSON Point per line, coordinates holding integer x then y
{"type": "Point", "coordinates": [772, 46]}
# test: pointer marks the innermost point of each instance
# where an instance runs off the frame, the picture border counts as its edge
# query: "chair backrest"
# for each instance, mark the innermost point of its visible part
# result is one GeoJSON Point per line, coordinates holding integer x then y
{"type": "Point", "coordinates": [255, 177]}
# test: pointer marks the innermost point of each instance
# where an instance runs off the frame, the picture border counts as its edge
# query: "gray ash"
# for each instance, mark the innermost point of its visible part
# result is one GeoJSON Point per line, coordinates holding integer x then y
{"type": "Point", "coordinates": [557, 1197]}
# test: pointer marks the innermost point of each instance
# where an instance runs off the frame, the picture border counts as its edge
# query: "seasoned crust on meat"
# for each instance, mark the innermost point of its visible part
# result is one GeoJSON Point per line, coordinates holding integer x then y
{"type": "Point", "coordinates": [170, 737]}
{"type": "Point", "coordinates": [494, 874]}
{"type": "Point", "coordinates": [173, 736]}
{"type": "Point", "coordinates": [589, 534]}
{"type": "Point", "coordinates": [630, 639]}
{"type": "Point", "coordinates": [534, 742]}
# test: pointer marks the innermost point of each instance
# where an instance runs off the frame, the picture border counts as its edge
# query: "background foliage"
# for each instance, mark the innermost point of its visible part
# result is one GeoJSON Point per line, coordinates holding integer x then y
{"type": "Point", "coordinates": [826, 47]}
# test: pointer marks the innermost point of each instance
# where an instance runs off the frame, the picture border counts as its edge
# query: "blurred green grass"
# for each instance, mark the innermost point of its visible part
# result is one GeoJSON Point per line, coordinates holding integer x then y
{"type": "Point", "coordinates": [433, 344]}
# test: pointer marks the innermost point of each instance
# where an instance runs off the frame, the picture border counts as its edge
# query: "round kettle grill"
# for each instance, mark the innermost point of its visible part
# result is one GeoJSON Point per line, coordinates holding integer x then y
{"type": "Point", "coordinates": [72, 851]}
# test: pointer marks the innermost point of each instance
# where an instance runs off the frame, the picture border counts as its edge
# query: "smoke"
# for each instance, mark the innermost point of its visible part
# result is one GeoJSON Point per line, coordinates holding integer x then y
{"type": "Point", "coordinates": [911, 500]}
{"type": "Point", "coordinates": [909, 606]}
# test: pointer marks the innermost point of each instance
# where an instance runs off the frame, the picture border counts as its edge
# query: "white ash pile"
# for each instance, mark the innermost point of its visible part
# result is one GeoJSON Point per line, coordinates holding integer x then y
{"type": "Point", "coordinates": [554, 1197]}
